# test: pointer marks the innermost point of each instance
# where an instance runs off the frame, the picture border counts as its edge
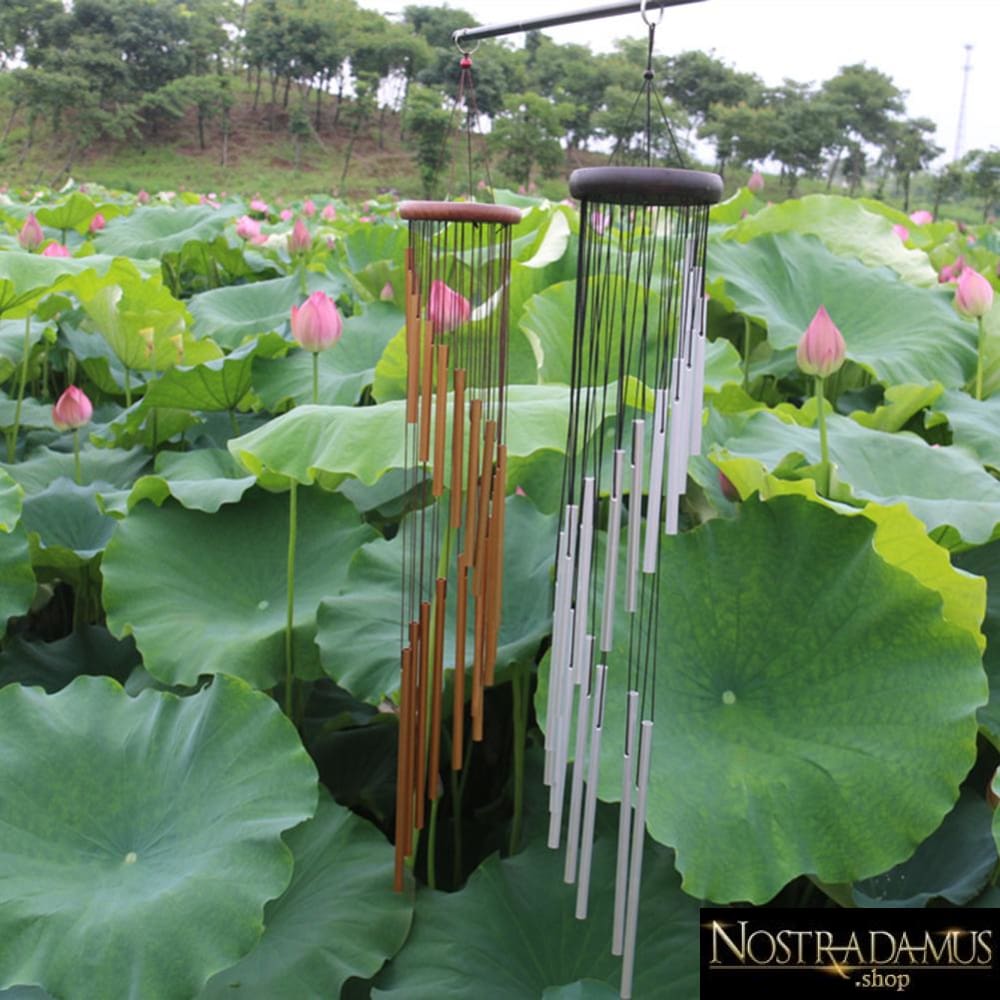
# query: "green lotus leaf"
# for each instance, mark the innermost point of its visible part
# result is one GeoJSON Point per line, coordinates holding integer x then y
{"type": "Point", "coordinates": [329, 443]}
{"type": "Point", "coordinates": [954, 863]}
{"type": "Point", "coordinates": [902, 402]}
{"type": "Point", "coordinates": [33, 416]}
{"type": "Point", "coordinates": [944, 487]}
{"type": "Point", "coordinates": [583, 989]}
{"type": "Point", "coordinates": [11, 501]}
{"type": "Point", "coordinates": [206, 593]}
{"type": "Point", "coordinates": [12, 344]}
{"type": "Point", "coordinates": [344, 369]}
{"type": "Point", "coordinates": [144, 425]}
{"type": "Point", "coordinates": [218, 384]}
{"type": "Point", "coordinates": [163, 840]}
{"type": "Point", "coordinates": [740, 204]}
{"type": "Point", "coordinates": [985, 561]}
{"type": "Point", "coordinates": [533, 942]}
{"type": "Point", "coordinates": [155, 231]}
{"type": "Point", "coordinates": [358, 630]}
{"type": "Point", "coordinates": [973, 424]}
{"type": "Point", "coordinates": [847, 229]}
{"type": "Point", "coordinates": [902, 334]}
{"type": "Point", "coordinates": [75, 211]}
{"type": "Point", "coordinates": [65, 525]}
{"type": "Point", "coordinates": [199, 480]}
{"type": "Point", "coordinates": [52, 665]}
{"type": "Point", "coordinates": [338, 918]}
{"type": "Point", "coordinates": [816, 712]}
{"type": "Point", "coordinates": [230, 315]}
{"type": "Point", "coordinates": [900, 539]}
{"type": "Point", "coordinates": [44, 466]}
{"type": "Point", "coordinates": [548, 321]}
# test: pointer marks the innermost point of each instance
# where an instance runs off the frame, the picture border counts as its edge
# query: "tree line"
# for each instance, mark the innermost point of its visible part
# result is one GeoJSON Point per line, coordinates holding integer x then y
{"type": "Point", "coordinates": [98, 69]}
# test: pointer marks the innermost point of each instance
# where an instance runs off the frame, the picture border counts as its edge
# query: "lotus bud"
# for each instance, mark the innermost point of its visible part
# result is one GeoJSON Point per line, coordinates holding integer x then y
{"type": "Point", "coordinates": [951, 272]}
{"type": "Point", "coordinates": [97, 223]}
{"type": "Point", "coordinates": [317, 324]}
{"type": "Point", "coordinates": [921, 217]}
{"type": "Point", "coordinates": [309, 208]}
{"type": "Point", "coordinates": [729, 491]}
{"type": "Point", "coordinates": [72, 410]}
{"type": "Point", "coordinates": [285, 214]}
{"type": "Point", "coordinates": [388, 293]}
{"type": "Point", "coordinates": [599, 221]}
{"type": "Point", "coordinates": [299, 239]}
{"type": "Point", "coordinates": [755, 183]}
{"type": "Point", "coordinates": [902, 232]}
{"type": "Point", "coordinates": [56, 250]}
{"type": "Point", "coordinates": [821, 350]}
{"type": "Point", "coordinates": [973, 294]}
{"type": "Point", "coordinates": [446, 308]}
{"type": "Point", "coordinates": [142, 197]}
{"type": "Point", "coordinates": [365, 218]}
{"type": "Point", "coordinates": [259, 205]}
{"type": "Point", "coordinates": [247, 228]}
{"type": "Point", "coordinates": [329, 212]}
{"type": "Point", "coordinates": [31, 236]}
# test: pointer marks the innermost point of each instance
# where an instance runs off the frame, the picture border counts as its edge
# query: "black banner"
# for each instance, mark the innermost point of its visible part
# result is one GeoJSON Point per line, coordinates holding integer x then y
{"type": "Point", "coordinates": [845, 953]}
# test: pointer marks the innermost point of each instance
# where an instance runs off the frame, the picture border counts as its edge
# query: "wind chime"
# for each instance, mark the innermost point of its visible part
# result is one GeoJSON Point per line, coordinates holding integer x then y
{"type": "Point", "coordinates": [457, 273]}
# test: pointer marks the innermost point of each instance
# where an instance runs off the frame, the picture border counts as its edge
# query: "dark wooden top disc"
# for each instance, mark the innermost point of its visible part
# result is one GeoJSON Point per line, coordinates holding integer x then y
{"type": "Point", "coordinates": [458, 211]}
{"type": "Point", "coordinates": [645, 186]}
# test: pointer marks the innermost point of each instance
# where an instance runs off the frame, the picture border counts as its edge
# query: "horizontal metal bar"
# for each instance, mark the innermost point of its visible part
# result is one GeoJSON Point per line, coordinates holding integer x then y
{"type": "Point", "coordinates": [554, 20]}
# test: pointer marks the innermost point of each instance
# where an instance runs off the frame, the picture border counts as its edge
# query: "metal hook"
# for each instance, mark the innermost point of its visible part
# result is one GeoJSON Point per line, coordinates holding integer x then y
{"type": "Point", "coordinates": [649, 24]}
{"type": "Point", "coordinates": [459, 39]}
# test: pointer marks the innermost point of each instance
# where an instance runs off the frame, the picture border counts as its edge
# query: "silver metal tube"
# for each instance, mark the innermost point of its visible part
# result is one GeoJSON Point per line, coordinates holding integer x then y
{"type": "Point", "coordinates": [656, 452]}
{"type": "Point", "coordinates": [635, 866]}
{"type": "Point", "coordinates": [590, 799]}
{"type": "Point", "coordinates": [579, 765]}
{"type": "Point", "coordinates": [635, 514]}
{"type": "Point", "coordinates": [611, 555]}
{"type": "Point", "coordinates": [624, 825]}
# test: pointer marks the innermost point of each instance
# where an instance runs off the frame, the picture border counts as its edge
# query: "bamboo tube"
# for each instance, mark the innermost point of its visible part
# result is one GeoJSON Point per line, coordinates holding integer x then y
{"type": "Point", "coordinates": [440, 596]}
{"type": "Point", "coordinates": [457, 446]}
{"type": "Point", "coordinates": [496, 561]}
{"type": "Point", "coordinates": [485, 479]}
{"type": "Point", "coordinates": [424, 667]}
{"type": "Point", "coordinates": [477, 675]}
{"type": "Point", "coordinates": [402, 760]}
{"type": "Point", "coordinates": [411, 696]}
{"type": "Point", "coordinates": [458, 707]}
{"type": "Point", "coordinates": [468, 540]}
{"type": "Point", "coordinates": [440, 419]}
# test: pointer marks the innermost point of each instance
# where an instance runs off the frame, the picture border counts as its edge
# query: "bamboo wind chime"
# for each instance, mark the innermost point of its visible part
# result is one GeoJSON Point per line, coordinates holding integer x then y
{"type": "Point", "coordinates": [456, 304]}
{"type": "Point", "coordinates": [639, 346]}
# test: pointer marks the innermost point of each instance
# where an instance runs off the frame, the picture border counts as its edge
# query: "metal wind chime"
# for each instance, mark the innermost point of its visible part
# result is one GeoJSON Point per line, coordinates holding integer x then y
{"type": "Point", "coordinates": [456, 308]}
{"type": "Point", "coordinates": [635, 420]}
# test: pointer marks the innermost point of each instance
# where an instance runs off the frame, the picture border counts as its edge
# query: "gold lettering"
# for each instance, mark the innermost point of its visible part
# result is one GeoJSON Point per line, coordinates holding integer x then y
{"type": "Point", "coordinates": [738, 952]}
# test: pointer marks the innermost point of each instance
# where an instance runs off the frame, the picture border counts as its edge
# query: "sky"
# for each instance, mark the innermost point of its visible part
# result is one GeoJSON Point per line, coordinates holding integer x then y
{"type": "Point", "coordinates": [919, 43]}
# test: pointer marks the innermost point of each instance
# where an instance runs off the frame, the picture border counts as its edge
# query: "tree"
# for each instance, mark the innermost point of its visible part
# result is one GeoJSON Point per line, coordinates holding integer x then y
{"type": "Point", "coordinates": [697, 81]}
{"type": "Point", "coordinates": [982, 177]}
{"type": "Point", "coordinates": [913, 151]}
{"type": "Point", "coordinates": [527, 135]}
{"type": "Point", "coordinates": [741, 133]}
{"type": "Point", "coordinates": [428, 123]}
{"type": "Point", "coordinates": [804, 127]}
{"type": "Point", "coordinates": [23, 28]}
{"type": "Point", "coordinates": [863, 102]}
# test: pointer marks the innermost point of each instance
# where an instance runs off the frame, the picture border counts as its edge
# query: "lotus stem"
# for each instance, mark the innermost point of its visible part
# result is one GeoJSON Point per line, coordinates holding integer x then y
{"type": "Point", "coordinates": [824, 448]}
{"type": "Point", "coordinates": [290, 618]}
{"type": "Point", "coordinates": [315, 355]}
{"type": "Point", "coordinates": [22, 381]}
{"type": "Point", "coordinates": [746, 353]}
{"type": "Point", "coordinates": [76, 455]}
{"type": "Point", "coordinates": [981, 353]}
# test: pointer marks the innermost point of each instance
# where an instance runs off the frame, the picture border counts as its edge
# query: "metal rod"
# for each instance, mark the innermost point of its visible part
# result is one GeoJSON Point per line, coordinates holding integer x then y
{"type": "Point", "coordinates": [590, 797]}
{"type": "Point", "coordinates": [554, 20]}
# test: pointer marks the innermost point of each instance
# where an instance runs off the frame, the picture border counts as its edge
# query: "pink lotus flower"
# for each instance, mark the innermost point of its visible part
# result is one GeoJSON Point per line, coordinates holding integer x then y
{"type": "Point", "coordinates": [317, 324]}
{"type": "Point", "coordinates": [388, 293]}
{"type": "Point", "coordinates": [481, 185]}
{"type": "Point", "coordinates": [299, 239]}
{"type": "Point", "coordinates": [950, 272]}
{"type": "Point", "coordinates": [330, 242]}
{"type": "Point", "coordinates": [207, 199]}
{"type": "Point", "coordinates": [73, 409]}
{"type": "Point", "coordinates": [97, 223]}
{"type": "Point", "coordinates": [31, 236]}
{"type": "Point", "coordinates": [902, 232]}
{"type": "Point", "coordinates": [248, 229]}
{"type": "Point", "coordinates": [258, 205]}
{"type": "Point", "coordinates": [973, 295]}
{"type": "Point", "coordinates": [446, 308]}
{"type": "Point", "coordinates": [329, 212]}
{"type": "Point", "coordinates": [729, 491]}
{"type": "Point", "coordinates": [285, 214]}
{"type": "Point", "coordinates": [821, 350]}
{"type": "Point", "coordinates": [921, 217]}
{"type": "Point", "coordinates": [599, 221]}
{"type": "Point", "coordinates": [142, 197]}
{"type": "Point", "coordinates": [365, 218]}
{"type": "Point", "coordinates": [56, 250]}
{"type": "Point", "coordinates": [309, 208]}
{"type": "Point", "coordinates": [755, 183]}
